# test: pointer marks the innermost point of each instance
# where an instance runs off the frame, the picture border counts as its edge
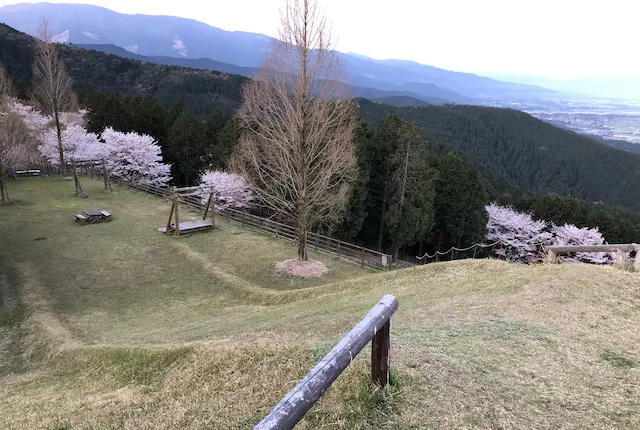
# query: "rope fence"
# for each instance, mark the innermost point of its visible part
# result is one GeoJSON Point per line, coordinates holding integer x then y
{"type": "Point", "coordinates": [475, 246]}
{"type": "Point", "coordinates": [501, 252]}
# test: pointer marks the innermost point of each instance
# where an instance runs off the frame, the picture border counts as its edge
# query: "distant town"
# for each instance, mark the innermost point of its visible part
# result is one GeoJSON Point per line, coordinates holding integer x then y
{"type": "Point", "coordinates": [608, 119]}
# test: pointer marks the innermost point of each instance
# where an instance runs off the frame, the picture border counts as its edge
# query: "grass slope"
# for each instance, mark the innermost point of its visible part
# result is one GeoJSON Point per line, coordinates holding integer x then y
{"type": "Point", "coordinates": [117, 326]}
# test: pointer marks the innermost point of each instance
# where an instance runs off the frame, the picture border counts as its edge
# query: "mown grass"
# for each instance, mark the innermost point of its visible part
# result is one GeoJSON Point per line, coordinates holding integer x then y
{"type": "Point", "coordinates": [475, 344]}
{"type": "Point", "coordinates": [106, 278]}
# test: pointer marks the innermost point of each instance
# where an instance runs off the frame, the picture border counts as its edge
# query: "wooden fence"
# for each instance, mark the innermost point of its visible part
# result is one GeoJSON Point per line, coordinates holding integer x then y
{"type": "Point", "coordinates": [318, 242]}
{"type": "Point", "coordinates": [374, 327]}
{"type": "Point", "coordinates": [620, 251]}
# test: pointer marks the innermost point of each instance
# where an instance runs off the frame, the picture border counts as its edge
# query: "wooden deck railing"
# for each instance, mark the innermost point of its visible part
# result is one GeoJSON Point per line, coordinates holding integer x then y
{"type": "Point", "coordinates": [374, 327]}
{"type": "Point", "coordinates": [336, 247]}
{"type": "Point", "coordinates": [619, 250]}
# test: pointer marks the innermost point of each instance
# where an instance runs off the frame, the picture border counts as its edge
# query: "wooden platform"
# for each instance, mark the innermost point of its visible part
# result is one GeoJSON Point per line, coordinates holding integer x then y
{"type": "Point", "coordinates": [189, 227]}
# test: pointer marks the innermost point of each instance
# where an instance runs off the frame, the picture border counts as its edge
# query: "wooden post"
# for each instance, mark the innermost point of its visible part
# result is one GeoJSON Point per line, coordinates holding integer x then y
{"type": "Point", "coordinates": [338, 250]}
{"type": "Point", "coordinates": [295, 404]}
{"type": "Point", "coordinates": [173, 204]}
{"type": "Point", "coordinates": [380, 355]}
{"type": "Point", "coordinates": [107, 181]}
{"type": "Point", "coordinates": [206, 208]}
{"type": "Point", "coordinates": [362, 264]}
{"type": "Point", "coordinates": [316, 242]}
{"type": "Point", "coordinates": [620, 259]}
{"type": "Point", "coordinates": [552, 257]}
{"type": "Point", "coordinates": [636, 259]}
{"type": "Point", "coordinates": [177, 218]}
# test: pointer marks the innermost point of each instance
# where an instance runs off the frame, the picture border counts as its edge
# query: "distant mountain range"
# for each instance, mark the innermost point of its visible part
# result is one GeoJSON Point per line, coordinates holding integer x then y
{"type": "Point", "coordinates": [166, 37]}
{"type": "Point", "coordinates": [209, 64]}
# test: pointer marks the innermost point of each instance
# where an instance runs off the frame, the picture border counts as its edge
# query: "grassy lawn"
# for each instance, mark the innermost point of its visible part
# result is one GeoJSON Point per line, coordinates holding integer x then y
{"type": "Point", "coordinates": [117, 326]}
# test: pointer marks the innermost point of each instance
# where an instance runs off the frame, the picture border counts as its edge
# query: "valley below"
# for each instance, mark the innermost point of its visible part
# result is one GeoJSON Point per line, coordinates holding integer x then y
{"type": "Point", "coordinates": [615, 121]}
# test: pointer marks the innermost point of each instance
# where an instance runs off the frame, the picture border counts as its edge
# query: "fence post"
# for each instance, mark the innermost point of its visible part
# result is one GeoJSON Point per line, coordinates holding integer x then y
{"type": "Point", "coordinates": [295, 404]}
{"type": "Point", "coordinates": [380, 355]}
{"type": "Point", "coordinates": [362, 263]}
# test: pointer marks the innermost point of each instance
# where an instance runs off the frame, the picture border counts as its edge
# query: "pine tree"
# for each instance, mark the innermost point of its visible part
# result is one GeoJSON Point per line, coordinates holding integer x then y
{"type": "Point", "coordinates": [410, 215]}
{"type": "Point", "coordinates": [383, 145]}
{"type": "Point", "coordinates": [461, 195]}
{"type": "Point", "coordinates": [185, 148]}
{"type": "Point", "coordinates": [356, 211]}
{"type": "Point", "coordinates": [215, 153]}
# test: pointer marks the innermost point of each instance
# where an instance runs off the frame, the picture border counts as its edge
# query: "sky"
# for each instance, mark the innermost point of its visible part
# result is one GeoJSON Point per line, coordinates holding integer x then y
{"type": "Point", "coordinates": [553, 38]}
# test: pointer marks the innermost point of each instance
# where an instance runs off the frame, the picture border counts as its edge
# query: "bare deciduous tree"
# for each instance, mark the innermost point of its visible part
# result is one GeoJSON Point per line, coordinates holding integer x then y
{"type": "Point", "coordinates": [296, 149]}
{"type": "Point", "coordinates": [52, 84]}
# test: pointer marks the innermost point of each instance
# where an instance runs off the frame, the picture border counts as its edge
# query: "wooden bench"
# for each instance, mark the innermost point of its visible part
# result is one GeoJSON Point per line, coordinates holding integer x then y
{"type": "Point", "coordinates": [92, 217]}
{"type": "Point", "coordinates": [32, 172]}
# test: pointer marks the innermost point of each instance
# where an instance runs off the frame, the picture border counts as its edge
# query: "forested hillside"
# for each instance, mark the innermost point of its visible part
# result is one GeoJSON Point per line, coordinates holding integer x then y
{"type": "Point", "coordinates": [466, 155]}
{"type": "Point", "coordinates": [201, 90]}
{"type": "Point", "coordinates": [527, 152]}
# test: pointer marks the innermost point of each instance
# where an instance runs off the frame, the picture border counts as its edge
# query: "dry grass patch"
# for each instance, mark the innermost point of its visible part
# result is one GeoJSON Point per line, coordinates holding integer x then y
{"type": "Point", "coordinates": [226, 387]}
{"type": "Point", "coordinates": [302, 269]}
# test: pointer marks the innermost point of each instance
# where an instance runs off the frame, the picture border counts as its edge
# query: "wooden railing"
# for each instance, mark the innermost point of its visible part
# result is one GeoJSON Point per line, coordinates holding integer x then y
{"type": "Point", "coordinates": [374, 327]}
{"type": "Point", "coordinates": [620, 251]}
{"type": "Point", "coordinates": [318, 242]}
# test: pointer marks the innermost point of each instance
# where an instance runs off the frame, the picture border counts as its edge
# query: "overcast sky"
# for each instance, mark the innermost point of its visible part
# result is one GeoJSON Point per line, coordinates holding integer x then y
{"type": "Point", "coordinates": [554, 38]}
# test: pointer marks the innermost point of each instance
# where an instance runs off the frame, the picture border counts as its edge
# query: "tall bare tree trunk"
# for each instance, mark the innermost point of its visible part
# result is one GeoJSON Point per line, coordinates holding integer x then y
{"type": "Point", "coordinates": [301, 234]}
{"type": "Point", "coordinates": [56, 118]}
{"type": "Point", "coordinates": [3, 185]}
{"type": "Point", "coordinates": [296, 150]}
{"type": "Point", "coordinates": [52, 86]}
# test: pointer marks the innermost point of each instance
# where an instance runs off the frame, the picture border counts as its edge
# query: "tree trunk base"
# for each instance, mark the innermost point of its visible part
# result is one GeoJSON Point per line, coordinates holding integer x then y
{"type": "Point", "coordinates": [302, 269]}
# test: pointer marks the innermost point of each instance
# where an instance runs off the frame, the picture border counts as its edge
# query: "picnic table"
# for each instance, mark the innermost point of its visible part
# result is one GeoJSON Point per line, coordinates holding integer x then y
{"type": "Point", "coordinates": [93, 216]}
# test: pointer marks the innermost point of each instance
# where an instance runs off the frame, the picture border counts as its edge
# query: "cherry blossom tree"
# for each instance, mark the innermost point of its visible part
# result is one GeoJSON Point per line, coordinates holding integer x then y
{"type": "Point", "coordinates": [14, 141]}
{"type": "Point", "coordinates": [569, 234]}
{"type": "Point", "coordinates": [135, 157]}
{"type": "Point", "coordinates": [520, 235]}
{"type": "Point", "coordinates": [77, 145]}
{"type": "Point", "coordinates": [36, 122]}
{"type": "Point", "coordinates": [230, 190]}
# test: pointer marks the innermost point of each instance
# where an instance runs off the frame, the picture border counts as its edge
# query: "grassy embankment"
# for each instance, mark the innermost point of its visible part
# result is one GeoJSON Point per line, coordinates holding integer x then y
{"type": "Point", "coordinates": [116, 326]}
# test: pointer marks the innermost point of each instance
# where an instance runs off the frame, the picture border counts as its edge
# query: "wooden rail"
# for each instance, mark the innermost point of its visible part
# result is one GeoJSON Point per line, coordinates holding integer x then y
{"type": "Point", "coordinates": [329, 245]}
{"type": "Point", "coordinates": [374, 327]}
{"type": "Point", "coordinates": [620, 251]}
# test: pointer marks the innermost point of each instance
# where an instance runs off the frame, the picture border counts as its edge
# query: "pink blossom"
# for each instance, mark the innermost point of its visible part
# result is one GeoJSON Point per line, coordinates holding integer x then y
{"type": "Point", "coordinates": [569, 234]}
{"type": "Point", "coordinates": [229, 190]}
{"type": "Point", "coordinates": [135, 157]}
{"type": "Point", "coordinates": [520, 235]}
{"type": "Point", "coordinates": [77, 145]}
